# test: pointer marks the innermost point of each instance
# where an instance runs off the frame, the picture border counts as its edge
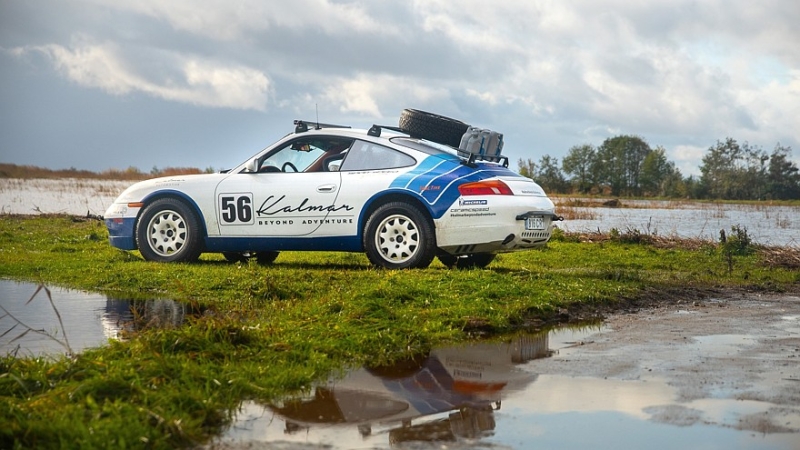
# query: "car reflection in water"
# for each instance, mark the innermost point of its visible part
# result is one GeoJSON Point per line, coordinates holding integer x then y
{"type": "Point", "coordinates": [448, 395]}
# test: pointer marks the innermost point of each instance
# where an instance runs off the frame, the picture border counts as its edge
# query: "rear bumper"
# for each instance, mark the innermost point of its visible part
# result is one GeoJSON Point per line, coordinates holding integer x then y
{"type": "Point", "coordinates": [498, 236]}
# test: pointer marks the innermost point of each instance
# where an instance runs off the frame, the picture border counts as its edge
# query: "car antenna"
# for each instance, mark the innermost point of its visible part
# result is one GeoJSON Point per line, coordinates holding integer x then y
{"type": "Point", "coordinates": [316, 110]}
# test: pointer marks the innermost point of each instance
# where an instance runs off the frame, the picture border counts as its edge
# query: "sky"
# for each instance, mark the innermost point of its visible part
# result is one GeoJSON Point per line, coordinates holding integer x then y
{"type": "Point", "coordinates": [112, 84]}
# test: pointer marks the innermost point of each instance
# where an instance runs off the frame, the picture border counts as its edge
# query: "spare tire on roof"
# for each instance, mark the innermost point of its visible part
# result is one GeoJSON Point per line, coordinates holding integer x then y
{"type": "Point", "coordinates": [433, 127]}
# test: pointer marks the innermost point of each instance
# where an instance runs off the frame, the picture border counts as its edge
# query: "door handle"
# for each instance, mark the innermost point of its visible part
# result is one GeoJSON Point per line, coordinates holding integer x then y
{"type": "Point", "coordinates": [326, 188]}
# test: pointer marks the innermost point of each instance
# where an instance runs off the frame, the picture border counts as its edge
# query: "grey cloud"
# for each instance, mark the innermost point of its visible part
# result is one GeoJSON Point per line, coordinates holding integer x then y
{"type": "Point", "coordinates": [555, 73]}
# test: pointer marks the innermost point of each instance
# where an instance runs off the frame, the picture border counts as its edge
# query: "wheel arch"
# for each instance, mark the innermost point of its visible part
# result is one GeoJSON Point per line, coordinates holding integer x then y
{"type": "Point", "coordinates": [175, 195]}
{"type": "Point", "coordinates": [392, 196]}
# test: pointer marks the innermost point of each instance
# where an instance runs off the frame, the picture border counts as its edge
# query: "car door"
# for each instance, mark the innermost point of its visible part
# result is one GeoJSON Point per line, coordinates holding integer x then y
{"type": "Point", "coordinates": [289, 195]}
{"type": "Point", "coordinates": [368, 168]}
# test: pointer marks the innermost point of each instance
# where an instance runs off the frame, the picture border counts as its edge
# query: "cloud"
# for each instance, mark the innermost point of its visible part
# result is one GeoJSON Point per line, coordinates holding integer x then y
{"type": "Point", "coordinates": [687, 158]}
{"type": "Point", "coordinates": [233, 20]}
{"type": "Point", "coordinates": [364, 93]}
{"type": "Point", "coordinates": [179, 77]}
{"type": "Point", "coordinates": [556, 74]}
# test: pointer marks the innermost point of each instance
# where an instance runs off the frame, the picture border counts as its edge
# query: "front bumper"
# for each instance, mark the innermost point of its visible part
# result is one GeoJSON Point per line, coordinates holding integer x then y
{"type": "Point", "coordinates": [120, 220]}
{"type": "Point", "coordinates": [121, 233]}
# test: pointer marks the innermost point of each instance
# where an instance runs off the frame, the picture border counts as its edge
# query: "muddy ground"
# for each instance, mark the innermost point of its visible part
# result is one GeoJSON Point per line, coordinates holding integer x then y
{"type": "Point", "coordinates": [741, 347]}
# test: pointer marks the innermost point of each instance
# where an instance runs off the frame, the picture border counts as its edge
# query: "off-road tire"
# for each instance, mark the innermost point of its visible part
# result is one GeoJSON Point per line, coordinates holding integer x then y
{"type": "Point", "coordinates": [169, 231]}
{"type": "Point", "coordinates": [399, 236]}
{"type": "Point", "coordinates": [471, 261]}
{"type": "Point", "coordinates": [433, 127]}
{"type": "Point", "coordinates": [266, 258]}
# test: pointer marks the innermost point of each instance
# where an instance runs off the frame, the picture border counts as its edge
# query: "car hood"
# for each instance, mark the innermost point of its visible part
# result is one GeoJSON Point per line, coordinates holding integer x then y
{"type": "Point", "coordinates": [141, 190]}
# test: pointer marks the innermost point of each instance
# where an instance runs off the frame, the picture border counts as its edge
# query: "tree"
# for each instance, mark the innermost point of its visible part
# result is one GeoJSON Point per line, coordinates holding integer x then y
{"type": "Point", "coordinates": [733, 171]}
{"type": "Point", "coordinates": [783, 175]}
{"type": "Point", "coordinates": [527, 168]}
{"type": "Point", "coordinates": [660, 177]}
{"type": "Point", "coordinates": [619, 163]}
{"type": "Point", "coordinates": [549, 175]}
{"type": "Point", "coordinates": [578, 164]}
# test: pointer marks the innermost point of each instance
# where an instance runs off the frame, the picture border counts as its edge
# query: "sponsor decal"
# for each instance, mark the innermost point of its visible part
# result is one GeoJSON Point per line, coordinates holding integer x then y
{"type": "Point", "coordinates": [282, 222]}
{"type": "Point", "coordinates": [471, 208]}
{"type": "Point", "coordinates": [462, 202]}
{"type": "Point", "coordinates": [272, 206]}
{"type": "Point", "coordinates": [435, 187]}
{"type": "Point", "coordinates": [238, 209]}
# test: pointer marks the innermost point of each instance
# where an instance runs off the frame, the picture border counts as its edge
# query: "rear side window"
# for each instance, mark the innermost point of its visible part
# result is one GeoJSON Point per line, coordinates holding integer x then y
{"type": "Point", "coordinates": [368, 156]}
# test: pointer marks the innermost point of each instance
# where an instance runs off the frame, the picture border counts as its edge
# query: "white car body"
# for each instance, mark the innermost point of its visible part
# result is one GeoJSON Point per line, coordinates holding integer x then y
{"type": "Point", "coordinates": [327, 205]}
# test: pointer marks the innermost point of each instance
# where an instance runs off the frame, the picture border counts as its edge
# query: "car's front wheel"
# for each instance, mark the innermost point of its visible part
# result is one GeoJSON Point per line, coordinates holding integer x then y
{"type": "Point", "coordinates": [399, 236]}
{"type": "Point", "coordinates": [169, 231]}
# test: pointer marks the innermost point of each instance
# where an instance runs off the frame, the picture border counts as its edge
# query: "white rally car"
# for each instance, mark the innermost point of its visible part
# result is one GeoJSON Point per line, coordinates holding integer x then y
{"type": "Point", "coordinates": [403, 195]}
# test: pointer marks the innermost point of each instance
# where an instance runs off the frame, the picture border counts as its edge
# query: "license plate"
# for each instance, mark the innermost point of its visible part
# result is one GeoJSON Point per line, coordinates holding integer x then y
{"type": "Point", "coordinates": [534, 223]}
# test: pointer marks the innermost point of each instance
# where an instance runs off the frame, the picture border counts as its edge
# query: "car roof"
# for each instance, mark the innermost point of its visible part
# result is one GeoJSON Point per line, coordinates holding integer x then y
{"type": "Point", "coordinates": [389, 136]}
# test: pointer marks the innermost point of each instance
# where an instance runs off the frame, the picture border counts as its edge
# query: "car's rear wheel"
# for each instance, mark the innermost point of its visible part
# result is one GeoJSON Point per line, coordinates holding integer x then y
{"type": "Point", "coordinates": [399, 236]}
{"type": "Point", "coordinates": [236, 257]}
{"type": "Point", "coordinates": [432, 127]}
{"type": "Point", "coordinates": [169, 231]}
{"type": "Point", "coordinates": [266, 258]}
{"type": "Point", "coordinates": [471, 261]}
{"type": "Point", "coordinates": [262, 258]}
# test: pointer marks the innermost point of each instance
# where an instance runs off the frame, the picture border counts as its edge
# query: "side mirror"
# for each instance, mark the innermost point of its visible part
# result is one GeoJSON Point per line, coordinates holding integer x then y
{"type": "Point", "coordinates": [252, 166]}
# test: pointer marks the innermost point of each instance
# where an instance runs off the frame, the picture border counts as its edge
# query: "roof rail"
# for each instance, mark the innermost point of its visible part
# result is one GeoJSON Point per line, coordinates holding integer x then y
{"type": "Point", "coordinates": [301, 126]}
{"type": "Point", "coordinates": [375, 130]}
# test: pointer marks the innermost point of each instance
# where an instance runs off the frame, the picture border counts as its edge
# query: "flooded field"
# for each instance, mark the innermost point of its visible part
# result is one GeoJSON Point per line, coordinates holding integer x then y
{"type": "Point", "coordinates": [766, 224]}
{"type": "Point", "coordinates": [661, 379]}
{"type": "Point", "coordinates": [720, 374]}
{"type": "Point", "coordinates": [62, 196]}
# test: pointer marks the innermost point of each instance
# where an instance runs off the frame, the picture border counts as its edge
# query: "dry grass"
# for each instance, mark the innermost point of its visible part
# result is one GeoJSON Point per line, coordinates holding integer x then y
{"type": "Point", "coordinates": [571, 213]}
{"type": "Point", "coordinates": [787, 258]}
{"type": "Point", "coordinates": [774, 257]}
{"type": "Point", "coordinates": [634, 236]}
{"type": "Point", "coordinates": [131, 173]}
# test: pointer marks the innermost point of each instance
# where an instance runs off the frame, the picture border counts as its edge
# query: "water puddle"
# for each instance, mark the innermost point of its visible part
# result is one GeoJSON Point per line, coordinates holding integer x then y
{"type": "Point", "coordinates": [32, 328]}
{"type": "Point", "coordinates": [489, 395]}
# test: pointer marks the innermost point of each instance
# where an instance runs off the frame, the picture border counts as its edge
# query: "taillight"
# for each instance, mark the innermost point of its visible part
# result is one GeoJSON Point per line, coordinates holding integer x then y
{"type": "Point", "coordinates": [486, 187]}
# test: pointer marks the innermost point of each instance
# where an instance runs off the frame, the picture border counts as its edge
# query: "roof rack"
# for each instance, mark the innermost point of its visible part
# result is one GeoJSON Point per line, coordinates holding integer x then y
{"type": "Point", "coordinates": [301, 126]}
{"type": "Point", "coordinates": [471, 158]}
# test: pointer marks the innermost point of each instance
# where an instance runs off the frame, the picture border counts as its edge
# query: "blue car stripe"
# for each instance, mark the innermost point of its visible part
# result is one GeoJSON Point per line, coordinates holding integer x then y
{"type": "Point", "coordinates": [428, 164]}
{"type": "Point", "coordinates": [436, 180]}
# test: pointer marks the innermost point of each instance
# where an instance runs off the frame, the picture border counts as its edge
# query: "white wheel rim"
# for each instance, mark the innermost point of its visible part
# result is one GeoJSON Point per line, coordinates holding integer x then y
{"type": "Point", "coordinates": [167, 233]}
{"type": "Point", "coordinates": [397, 238]}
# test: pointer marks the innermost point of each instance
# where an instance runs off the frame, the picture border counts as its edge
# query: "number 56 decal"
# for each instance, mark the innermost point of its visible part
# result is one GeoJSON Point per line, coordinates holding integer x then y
{"type": "Point", "coordinates": [236, 209]}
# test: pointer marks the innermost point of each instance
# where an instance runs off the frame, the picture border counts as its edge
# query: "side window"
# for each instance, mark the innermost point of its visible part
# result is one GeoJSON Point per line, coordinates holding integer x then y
{"type": "Point", "coordinates": [368, 156]}
{"type": "Point", "coordinates": [303, 155]}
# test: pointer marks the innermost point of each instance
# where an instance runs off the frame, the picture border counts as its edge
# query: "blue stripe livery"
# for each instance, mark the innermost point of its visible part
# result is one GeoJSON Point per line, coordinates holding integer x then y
{"type": "Point", "coordinates": [436, 180]}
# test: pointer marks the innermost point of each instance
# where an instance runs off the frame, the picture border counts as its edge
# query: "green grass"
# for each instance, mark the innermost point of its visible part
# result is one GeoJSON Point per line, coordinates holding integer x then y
{"type": "Point", "coordinates": [270, 331]}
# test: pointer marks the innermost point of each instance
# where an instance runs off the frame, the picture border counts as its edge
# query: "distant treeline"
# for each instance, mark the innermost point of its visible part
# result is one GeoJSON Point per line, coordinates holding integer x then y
{"type": "Point", "coordinates": [626, 166]}
{"type": "Point", "coordinates": [131, 173]}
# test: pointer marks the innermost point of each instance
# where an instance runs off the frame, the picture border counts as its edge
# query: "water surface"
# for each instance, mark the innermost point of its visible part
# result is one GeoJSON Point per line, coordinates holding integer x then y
{"type": "Point", "coordinates": [765, 224]}
{"type": "Point", "coordinates": [87, 319]}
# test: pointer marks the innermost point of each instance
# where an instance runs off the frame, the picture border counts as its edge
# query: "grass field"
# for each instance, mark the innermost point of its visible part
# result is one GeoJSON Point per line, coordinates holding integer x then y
{"type": "Point", "coordinates": [270, 331]}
